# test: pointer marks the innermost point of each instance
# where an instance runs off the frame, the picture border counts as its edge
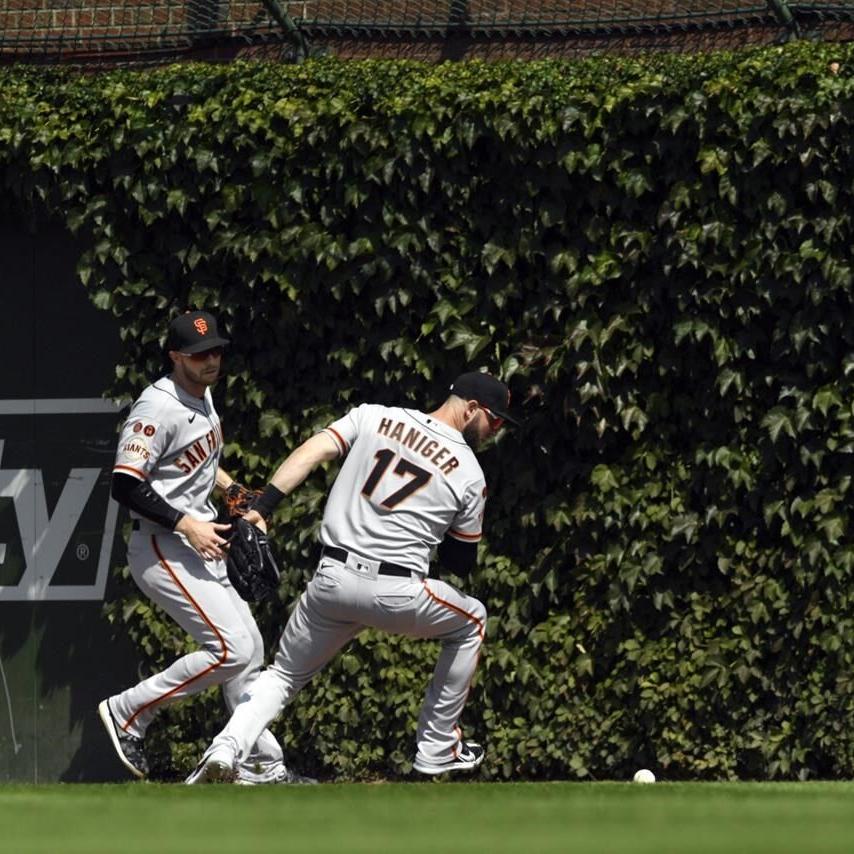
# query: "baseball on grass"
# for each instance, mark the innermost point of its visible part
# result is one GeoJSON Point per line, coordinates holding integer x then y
{"type": "Point", "coordinates": [643, 776]}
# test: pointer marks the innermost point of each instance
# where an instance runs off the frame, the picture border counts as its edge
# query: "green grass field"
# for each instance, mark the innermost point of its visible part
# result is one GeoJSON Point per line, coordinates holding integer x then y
{"type": "Point", "coordinates": [430, 817]}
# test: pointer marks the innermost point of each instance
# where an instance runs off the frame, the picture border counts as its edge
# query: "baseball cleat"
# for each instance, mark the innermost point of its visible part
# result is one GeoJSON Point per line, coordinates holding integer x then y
{"type": "Point", "coordinates": [292, 778]}
{"type": "Point", "coordinates": [281, 775]}
{"type": "Point", "coordinates": [129, 748]}
{"type": "Point", "coordinates": [468, 756]}
{"type": "Point", "coordinates": [217, 766]}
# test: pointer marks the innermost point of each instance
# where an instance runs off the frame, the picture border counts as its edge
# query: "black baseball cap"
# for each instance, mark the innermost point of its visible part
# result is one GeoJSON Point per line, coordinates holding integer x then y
{"type": "Point", "coordinates": [487, 391]}
{"type": "Point", "coordinates": [194, 332]}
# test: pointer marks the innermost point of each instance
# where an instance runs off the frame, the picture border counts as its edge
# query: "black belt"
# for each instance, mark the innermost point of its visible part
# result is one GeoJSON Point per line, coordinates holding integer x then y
{"type": "Point", "coordinates": [385, 568]}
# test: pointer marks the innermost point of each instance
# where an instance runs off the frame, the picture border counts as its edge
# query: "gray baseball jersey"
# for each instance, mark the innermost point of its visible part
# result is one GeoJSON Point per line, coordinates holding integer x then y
{"type": "Point", "coordinates": [407, 480]}
{"type": "Point", "coordinates": [174, 441]}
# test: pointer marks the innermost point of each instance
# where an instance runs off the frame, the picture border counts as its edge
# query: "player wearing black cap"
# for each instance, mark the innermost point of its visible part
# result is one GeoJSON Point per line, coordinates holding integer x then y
{"type": "Point", "coordinates": [410, 485]}
{"type": "Point", "coordinates": [166, 469]}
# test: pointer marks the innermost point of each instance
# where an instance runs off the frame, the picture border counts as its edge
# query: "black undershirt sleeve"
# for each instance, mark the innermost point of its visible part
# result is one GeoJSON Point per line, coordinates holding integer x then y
{"type": "Point", "coordinates": [137, 495]}
{"type": "Point", "coordinates": [456, 556]}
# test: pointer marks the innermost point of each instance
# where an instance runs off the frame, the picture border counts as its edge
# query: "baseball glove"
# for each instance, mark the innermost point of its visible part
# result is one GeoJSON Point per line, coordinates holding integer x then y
{"type": "Point", "coordinates": [251, 566]}
{"type": "Point", "coordinates": [239, 500]}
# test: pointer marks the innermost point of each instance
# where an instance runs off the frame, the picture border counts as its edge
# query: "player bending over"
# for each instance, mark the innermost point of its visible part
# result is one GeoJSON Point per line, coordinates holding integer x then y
{"type": "Point", "coordinates": [409, 483]}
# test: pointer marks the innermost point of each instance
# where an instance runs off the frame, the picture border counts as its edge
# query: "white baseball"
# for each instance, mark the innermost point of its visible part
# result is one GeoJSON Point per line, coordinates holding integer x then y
{"type": "Point", "coordinates": [643, 776]}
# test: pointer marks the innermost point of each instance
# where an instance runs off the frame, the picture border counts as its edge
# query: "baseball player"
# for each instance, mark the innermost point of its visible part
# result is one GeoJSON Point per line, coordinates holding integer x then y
{"type": "Point", "coordinates": [166, 469]}
{"type": "Point", "coordinates": [410, 484]}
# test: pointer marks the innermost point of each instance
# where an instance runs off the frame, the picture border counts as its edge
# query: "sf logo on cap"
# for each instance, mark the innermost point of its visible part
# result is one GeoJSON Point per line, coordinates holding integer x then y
{"type": "Point", "coordinates": [201, 325]}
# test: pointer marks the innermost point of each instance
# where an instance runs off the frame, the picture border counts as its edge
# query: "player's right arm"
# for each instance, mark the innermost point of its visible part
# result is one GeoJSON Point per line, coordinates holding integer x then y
{"type": "Point", "coordinates": [300, 464]}
{"type": "Point", "coordinates": [291, 473]}
{"type": "Point", "coordinates": [138, 495]}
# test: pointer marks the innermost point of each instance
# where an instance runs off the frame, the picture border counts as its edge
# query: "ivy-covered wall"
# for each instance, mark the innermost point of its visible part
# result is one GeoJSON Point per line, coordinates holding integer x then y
{"type": "Point", "coordinates": [657, 254]}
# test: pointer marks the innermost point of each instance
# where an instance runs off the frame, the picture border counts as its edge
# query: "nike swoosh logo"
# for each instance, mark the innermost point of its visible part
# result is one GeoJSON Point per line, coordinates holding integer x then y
{"type": "Point", "coordinates": [192, 418]}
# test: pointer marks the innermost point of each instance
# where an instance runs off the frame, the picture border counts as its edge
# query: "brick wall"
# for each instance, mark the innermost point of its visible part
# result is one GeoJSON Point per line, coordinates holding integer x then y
{"type": "Point", "coordinates": [102, 30]}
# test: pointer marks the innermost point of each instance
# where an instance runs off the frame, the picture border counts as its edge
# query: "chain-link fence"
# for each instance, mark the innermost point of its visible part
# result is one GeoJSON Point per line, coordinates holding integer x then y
{"type": "Point", "coordinates": [160, 30]}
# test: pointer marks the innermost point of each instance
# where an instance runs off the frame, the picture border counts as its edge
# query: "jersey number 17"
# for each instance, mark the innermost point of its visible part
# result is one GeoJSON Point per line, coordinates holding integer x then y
{"type": "Point", "coordinates": [418, 478]}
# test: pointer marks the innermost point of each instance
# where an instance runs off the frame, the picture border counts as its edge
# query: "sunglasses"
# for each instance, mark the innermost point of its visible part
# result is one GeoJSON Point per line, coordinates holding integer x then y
{"type": "Point", "coordinates": [201, 357]}
{"type": "Point", "coordinates": [495, 421]}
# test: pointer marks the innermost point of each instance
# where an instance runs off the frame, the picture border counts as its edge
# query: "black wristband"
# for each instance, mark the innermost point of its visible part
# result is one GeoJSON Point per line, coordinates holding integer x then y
{"type": "Point", "coordinates": [268, 501]}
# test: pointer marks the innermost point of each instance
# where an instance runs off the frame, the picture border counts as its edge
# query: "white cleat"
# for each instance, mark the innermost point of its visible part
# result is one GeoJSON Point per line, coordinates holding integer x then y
{"type": "Point", "coordinates": [217, 766]}
{"type": "Point", "coordinates": [280, 774]}
{"type": "Point", "coordinates": [467, 757]}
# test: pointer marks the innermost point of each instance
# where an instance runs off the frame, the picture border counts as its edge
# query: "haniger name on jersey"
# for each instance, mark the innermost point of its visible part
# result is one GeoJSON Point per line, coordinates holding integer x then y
{"type": "Point", "coordinates": [419, 443]}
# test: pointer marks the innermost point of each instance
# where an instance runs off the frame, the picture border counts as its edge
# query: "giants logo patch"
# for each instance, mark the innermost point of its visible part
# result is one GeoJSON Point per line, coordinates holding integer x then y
{"type": "Point", "coordinates": [135, 450]}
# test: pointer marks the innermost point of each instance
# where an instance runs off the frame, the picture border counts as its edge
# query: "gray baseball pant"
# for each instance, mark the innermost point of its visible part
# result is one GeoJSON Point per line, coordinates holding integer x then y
{"type": "Point", "coordinates": [340, 601]}
{"type": "Point", "coordinates": [198, 596]}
